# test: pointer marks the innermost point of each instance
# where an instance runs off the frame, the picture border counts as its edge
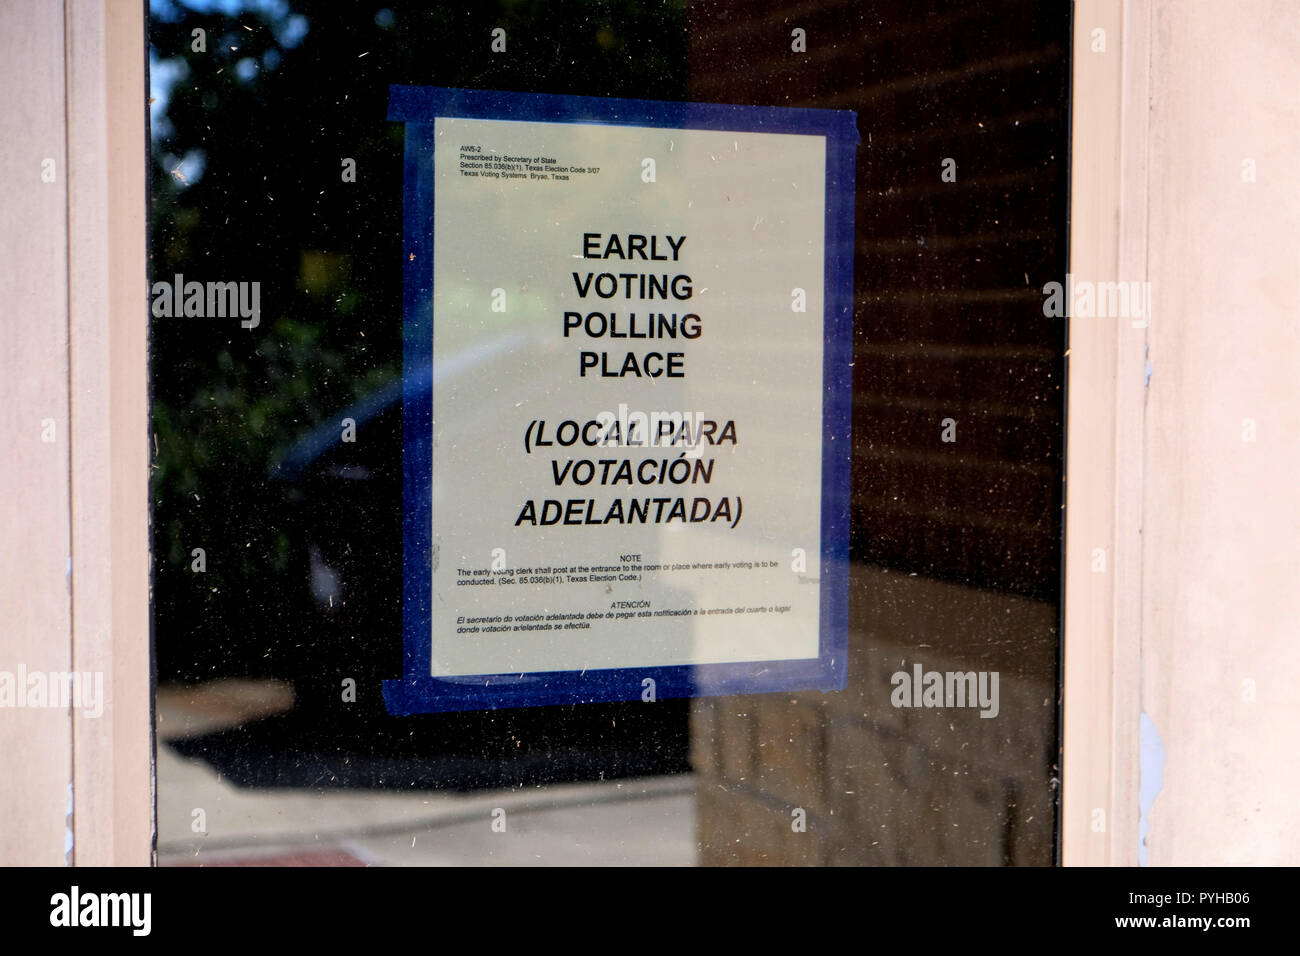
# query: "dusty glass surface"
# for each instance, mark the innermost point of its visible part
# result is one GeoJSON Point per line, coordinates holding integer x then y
{"type": "Point", "coordinates": [277, 547]}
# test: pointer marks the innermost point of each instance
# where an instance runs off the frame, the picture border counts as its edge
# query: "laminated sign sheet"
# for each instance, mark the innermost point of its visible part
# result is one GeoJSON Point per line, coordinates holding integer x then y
{"type": "Point", "coordinates": [627, 398]}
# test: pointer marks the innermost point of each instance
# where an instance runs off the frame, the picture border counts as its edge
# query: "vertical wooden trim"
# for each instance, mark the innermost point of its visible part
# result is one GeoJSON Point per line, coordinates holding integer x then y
{"type": "Point", "coordinates": [108, 313]}
{"type": "Point", "coordinates": [1104, 440]}
{"type": "Point", "coordinates": [135, 797]}
{"type": "Point", "coordinates": [34, 531]}
{"type": "Point", "coordinates": [1130, 441]}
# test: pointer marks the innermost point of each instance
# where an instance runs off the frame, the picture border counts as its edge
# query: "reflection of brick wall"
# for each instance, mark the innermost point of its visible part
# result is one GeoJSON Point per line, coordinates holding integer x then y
{"type": "Point", "coordinates": [948, 324]}
{"type": "Point", "coordinates": [885, 785]}
{"type": "Point", "coordinates": [948, 276]}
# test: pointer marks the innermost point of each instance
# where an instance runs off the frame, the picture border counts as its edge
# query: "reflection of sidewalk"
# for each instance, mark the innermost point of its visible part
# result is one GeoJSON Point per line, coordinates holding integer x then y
{"type": "Point", "coordinates": [648, 822]}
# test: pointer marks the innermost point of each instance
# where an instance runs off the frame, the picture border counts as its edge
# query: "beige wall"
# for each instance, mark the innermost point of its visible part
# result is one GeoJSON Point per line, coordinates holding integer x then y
{"type": "Point", "coordinates": [1221, 516]}
{"type": "Point", "coordinates": [1189, 482]}
{"type": "Point", "coordinates": [35, 604]}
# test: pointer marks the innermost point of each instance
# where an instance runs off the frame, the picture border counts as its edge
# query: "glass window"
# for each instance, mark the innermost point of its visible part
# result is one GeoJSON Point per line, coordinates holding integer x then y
{"type": "Point", "coordinates": [278, 474]}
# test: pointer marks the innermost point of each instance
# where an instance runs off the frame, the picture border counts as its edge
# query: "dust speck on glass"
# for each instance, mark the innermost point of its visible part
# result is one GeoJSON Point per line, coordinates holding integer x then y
{"type": "Point", "coordinates": [329, 460]}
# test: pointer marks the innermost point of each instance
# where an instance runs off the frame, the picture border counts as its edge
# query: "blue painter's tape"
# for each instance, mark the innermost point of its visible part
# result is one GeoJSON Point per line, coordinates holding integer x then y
{"type": "Point", "coordinates": [417, 691]}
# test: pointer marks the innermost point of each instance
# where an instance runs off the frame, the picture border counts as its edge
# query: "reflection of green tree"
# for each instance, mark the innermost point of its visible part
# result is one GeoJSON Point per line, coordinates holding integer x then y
{"type": "Point", "coordinates": [271, 112]}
